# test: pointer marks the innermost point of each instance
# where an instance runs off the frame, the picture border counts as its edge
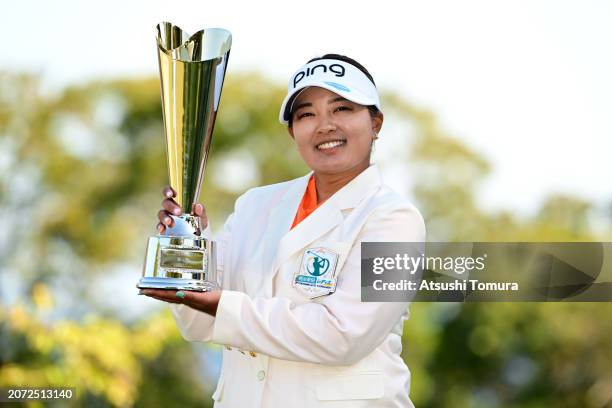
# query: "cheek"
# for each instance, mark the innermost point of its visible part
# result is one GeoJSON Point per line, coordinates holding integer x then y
{"type": "Point", "coordinates": [301, 139]}
{"type": "Point", "coordinates": [361, 135]}
{"type": "Point", "coordinates": [361, 147]}
{"type": "Point", "coordinates": [302, 132]}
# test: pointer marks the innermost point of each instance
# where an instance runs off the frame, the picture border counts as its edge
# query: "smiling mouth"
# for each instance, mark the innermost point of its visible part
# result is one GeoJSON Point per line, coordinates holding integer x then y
{"type": "Point", "coordinates": [331, 144]}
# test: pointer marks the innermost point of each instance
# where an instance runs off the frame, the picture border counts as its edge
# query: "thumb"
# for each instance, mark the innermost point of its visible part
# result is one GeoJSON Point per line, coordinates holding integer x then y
{"type": "Point", "coordinates": [199, 210]}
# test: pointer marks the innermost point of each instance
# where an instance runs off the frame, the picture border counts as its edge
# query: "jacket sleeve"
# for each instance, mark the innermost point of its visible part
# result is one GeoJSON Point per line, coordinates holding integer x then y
{"type": "Point", "coordinates": [195, 325]}
{"type": "Point", "coordinates": [337, 329]}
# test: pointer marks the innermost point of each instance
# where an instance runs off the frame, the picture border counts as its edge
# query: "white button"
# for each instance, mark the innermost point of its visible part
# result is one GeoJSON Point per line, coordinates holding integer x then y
{"type": "Point", "coordinates": [261, 375]}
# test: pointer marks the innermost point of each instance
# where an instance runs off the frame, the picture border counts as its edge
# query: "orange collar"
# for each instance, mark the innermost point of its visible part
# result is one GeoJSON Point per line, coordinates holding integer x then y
{"type": "Point", "coordinates": [308, 204]}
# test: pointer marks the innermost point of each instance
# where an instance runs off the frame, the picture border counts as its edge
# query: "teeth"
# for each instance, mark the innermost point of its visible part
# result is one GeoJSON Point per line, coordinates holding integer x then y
{"type": "Point", "coordinates": [329, 145]}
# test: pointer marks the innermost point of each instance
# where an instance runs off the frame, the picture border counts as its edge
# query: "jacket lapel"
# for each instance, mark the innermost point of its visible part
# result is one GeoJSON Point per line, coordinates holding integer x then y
{"type": "Point", "coordinates": [281, 217]}
{"type": "Point", "coordinates": [282, 243]}
{"type": "Point", "coordinates": [323, 219]}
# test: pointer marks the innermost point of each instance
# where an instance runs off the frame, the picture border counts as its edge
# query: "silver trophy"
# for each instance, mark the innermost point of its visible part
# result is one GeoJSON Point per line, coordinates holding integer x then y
{"type": "Point", "coordinates": [192, 69]}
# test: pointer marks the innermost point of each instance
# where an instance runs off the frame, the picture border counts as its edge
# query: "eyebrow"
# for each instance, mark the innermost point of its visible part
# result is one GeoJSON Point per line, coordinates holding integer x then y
{"type": "Point", "coordinates": [307, 104]}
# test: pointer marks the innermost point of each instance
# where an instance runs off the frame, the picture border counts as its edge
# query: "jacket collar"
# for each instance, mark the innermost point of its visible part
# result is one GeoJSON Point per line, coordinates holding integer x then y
{"type": "Point", "coordinates": [356, 190]}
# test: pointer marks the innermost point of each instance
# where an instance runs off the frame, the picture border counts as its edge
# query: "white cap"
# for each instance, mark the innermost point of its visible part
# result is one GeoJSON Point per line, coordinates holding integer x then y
{"type": "Point", "coordinates": [334, 75]}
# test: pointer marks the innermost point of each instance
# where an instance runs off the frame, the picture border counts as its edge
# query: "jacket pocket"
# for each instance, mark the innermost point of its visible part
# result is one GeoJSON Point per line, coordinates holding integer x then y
{"type": "Point", "coordinates": [354, 386]}
{"type": "Point", "coordinates": [218, 394]}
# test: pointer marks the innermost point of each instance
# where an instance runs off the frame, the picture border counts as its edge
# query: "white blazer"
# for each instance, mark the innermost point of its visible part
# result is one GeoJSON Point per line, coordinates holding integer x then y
{"type": "Point", "coordinates": [282, 348]}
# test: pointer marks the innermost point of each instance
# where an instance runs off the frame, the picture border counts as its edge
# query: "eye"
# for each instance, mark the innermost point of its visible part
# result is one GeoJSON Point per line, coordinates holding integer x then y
{"type": "Point", "coordinates": [304, 114]}
{"type": "Point", "coordinates": [343, 108]}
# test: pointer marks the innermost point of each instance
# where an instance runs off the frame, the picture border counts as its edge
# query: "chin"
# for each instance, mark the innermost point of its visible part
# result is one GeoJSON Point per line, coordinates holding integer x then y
{"type": "Point", "coordinates": [330, 168]}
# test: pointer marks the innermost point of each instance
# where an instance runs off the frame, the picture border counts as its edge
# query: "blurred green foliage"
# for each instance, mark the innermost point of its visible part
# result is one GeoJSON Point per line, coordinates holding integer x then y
{"type": "Point", "coordinates": [80, 185]}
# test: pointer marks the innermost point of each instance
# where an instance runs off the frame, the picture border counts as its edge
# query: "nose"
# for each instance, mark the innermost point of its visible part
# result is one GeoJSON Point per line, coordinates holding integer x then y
{"type": "Point", "coordinates": [326, 123]}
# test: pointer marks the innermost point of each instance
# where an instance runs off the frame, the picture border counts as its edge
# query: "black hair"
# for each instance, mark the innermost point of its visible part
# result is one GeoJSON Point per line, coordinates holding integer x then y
{"type": "Point", "coordinates": [372, 108]}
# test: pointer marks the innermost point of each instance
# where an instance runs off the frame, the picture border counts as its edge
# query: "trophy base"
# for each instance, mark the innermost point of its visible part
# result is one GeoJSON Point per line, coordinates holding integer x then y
{"type": "Point", "coordinates": [176, 284]}
{"type": "Point", "coordinates": [181, 261]}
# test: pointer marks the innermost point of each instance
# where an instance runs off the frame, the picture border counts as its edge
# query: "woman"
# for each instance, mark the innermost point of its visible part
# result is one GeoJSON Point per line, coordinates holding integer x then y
{"type": "Point", "coordinates": [289, 342]}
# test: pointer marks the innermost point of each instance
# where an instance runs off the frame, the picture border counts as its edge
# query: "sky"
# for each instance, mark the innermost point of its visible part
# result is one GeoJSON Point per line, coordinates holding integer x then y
{"type": "Point", "coordinates": [525, 83]}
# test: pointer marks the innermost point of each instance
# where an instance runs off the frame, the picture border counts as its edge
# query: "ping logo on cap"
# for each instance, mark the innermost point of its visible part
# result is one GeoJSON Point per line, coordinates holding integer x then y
{"type": "Point", "coordinates": [344, 79]}
{"type": "Point", "coordinates": [337, 69]}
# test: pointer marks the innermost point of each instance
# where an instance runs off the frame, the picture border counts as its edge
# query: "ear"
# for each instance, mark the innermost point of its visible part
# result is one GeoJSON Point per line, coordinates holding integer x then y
{"type": "Point", "coordinates": [290, 131]}
{"type": "Point", "coordinates": [377, 122]}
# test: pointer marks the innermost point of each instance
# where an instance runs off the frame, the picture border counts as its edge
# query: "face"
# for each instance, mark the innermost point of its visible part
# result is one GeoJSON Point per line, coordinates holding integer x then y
{"type": "Point", "coordinates": [332, 134]}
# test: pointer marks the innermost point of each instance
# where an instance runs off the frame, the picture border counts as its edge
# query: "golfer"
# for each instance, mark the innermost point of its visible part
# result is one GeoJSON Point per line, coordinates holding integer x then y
{"type": "Point", "coordinates": [289, 314]}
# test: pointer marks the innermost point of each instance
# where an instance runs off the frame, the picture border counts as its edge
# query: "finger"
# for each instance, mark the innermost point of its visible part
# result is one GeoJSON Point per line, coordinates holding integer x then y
{"type": "Point", "coordinates": [160, 227]}
{"type": "Point", "coordinates": [152, 295]}
{"type": "Point", "coordinates": [165, 218]}
{"type": "Point", "coordinates": [197, 298]}
{"type": "Point", "coordinates": [192, 298]}
{"type": "Point", "coordinates": [160, 293]}
{"type": "Point", "coordinates": [171, 206]}
{"type": "Point", "coordinates": [198, 209]}
{"type": "Point", "coordinates": [180, 300]}
{"type": "Point", "coordinates": [164, 299]}
{"type": "Point", "coordinates": [169, 192]}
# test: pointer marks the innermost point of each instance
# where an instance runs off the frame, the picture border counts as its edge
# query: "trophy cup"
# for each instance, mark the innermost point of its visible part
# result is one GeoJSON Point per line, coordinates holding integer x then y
{"type": "Point", "coordinates": [192, 70]}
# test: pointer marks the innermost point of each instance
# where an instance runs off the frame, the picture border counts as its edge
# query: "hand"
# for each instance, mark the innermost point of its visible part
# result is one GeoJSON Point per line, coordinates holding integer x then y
{"type": "Point", "coordinates": [206, 302]}
{"type": "Point", "coordinates": [170, 207]}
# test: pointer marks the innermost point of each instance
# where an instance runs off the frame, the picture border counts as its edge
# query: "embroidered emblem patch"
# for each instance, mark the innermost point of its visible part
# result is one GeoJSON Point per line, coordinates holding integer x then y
{"type": "Point", "coordinates": [316, 275]}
